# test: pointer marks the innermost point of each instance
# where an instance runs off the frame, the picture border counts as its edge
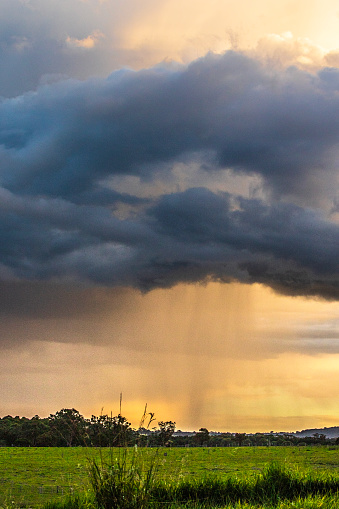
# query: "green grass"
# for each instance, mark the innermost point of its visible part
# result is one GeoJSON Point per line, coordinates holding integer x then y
{"type": "Point", "coordinates": [30, 477]}
{"type": "Point", "coordinates": [123, 480]}
{"type": "Point", "coordinates": [276, 487]}
{"type": "Point", "coordinates": [313, 502]}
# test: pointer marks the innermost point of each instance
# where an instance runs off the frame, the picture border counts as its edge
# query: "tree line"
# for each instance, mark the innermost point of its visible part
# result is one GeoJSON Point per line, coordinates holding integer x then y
{"type": "Point", "coordinates": [68, 428]}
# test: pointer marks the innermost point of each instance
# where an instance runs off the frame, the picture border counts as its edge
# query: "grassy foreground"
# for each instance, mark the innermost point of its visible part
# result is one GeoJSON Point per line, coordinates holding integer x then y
{"type": "Point", "coordinates": [118, 487]}
{"type": "Point", "coordinates": [195, 478]}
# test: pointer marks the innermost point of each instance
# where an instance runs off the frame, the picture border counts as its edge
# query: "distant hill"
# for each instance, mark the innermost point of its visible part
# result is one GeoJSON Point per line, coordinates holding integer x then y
{"type": "Point", "coordinates": [332, 432]}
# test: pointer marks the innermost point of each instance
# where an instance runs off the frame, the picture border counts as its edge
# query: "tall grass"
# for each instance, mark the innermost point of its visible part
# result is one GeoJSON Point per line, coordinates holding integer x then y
{"type": "Point", "coordinates": [125, 483]}
{"type": "Point", "coordinates": [275, 484]}
{"type": "Point", "coordinates": [124, 480]}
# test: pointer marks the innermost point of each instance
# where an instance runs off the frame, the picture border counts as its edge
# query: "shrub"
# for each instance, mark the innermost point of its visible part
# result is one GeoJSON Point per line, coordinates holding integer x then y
{"type": "Point", "coordinates": [124, 481]}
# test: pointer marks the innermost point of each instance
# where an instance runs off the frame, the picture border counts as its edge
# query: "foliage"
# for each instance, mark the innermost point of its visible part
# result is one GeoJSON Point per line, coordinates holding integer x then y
{"type": "Point", "coordinates": [123, 485]}
{"type": "Point", "coordinates": [105, 431]}
{"type": "Point", "coordinates": [123, 482]}
{"type": "Point", "coordinates": [166, 430]}
{"type": "Point", "coordinates": [275, 484]}
{"type": "Point", "coordinates": [202, 437]}
{"type": "Point", "coordinates": [68, 428]}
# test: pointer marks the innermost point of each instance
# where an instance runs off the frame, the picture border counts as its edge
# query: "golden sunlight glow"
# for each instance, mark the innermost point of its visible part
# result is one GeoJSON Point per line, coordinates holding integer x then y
{"type": "Point", "coordinates": [186, 31]}
{"type": "Point", "coordinates": [226, 357]}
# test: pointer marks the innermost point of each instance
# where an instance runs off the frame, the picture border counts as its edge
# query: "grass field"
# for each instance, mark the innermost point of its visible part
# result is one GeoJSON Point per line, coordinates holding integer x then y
{"type": "Point", "coordinates": [31, 477]}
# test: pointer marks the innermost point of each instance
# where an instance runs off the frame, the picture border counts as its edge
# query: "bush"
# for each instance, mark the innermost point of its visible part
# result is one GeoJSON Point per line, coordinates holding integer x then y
{"type": "Point", "coordinates": [124, 481]}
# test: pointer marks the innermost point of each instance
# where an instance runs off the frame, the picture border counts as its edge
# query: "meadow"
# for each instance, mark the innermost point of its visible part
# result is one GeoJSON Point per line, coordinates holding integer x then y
{"type": "Point", "coordinates": [33, 477]}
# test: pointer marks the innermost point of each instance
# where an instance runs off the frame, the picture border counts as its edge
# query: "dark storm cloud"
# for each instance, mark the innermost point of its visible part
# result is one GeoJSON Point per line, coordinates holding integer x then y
{"type": "Point", "coordinates": [284, 126]}
{"type": "Point", "coordinates": [60, 145]}
{"type": "Point", "coordinates": [188, 237]}
{"type": "Point", "coordinates": [284, 246]}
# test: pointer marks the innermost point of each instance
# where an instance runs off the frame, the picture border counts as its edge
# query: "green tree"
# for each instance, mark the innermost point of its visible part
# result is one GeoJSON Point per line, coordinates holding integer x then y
{"type": "Point", "coordinates": [32, 430]}
{"type": "Point", "coordinates": [121, 433]}
{"type": "Point", "coordinates": [240, 438]}
{"type": "Point", "coordinates": [202, 437]}
{"type": "Point", "coordinates": [68, 427]}
{"type": "Point", "coordinates": [98, 431]}
{"type": "Point", "coordinates": [166, 430]}
{"type": "Point", "coordinates": [10, 429]}
{"type": "Point", "coordinates": [111, 430]}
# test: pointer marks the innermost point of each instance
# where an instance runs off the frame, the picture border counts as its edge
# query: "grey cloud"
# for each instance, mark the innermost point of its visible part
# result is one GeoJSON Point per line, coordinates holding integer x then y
{"type": "Point", "coordinates": [105, 197]}
{"type": "Point", "coordinates": [34, 47]}
{"type": "Point", "coordinates": [192, 236]}
{"type": "Point", "coordinates": [62, 144]}
{"type": "Point", "coordinates": [284, 126]}
{"type": "Point", "coordinates": [284, 246]}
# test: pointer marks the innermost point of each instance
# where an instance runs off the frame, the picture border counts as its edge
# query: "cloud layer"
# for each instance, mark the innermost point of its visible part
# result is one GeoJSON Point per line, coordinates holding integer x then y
{"type": "Point", "coordinates": [43, 41]}
{"type": "Point", "coordinates": [63, 147]}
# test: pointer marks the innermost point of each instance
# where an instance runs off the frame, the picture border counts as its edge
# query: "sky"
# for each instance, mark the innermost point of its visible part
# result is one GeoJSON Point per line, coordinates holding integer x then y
{"type": "Point", "coordinates": [169, 211]}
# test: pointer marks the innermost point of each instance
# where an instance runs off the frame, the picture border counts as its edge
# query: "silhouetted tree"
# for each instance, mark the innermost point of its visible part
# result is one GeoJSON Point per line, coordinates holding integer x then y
{"type": "Point", "coordinates": [240, 437]}
{"type": "Point", "coordinates": [32, 431]}
{"type": "Point", "coordinates": [166, 430]}
{"type": "Point", "coordinates": [202, 437]}
{"type": "Point", "coordinates": [68, 427]}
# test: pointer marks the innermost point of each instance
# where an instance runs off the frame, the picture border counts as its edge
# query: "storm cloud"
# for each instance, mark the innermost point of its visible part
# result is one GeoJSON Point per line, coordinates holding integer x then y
{"type": "Point", "coordinates": [63, 217]}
